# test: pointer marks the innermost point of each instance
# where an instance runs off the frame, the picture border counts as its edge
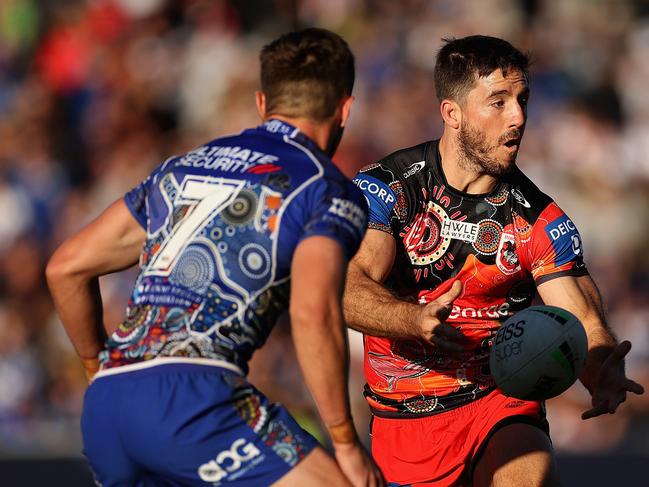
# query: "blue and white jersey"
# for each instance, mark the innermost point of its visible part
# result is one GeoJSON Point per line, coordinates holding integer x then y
{"type": "Point", "coordinates": [222, 224]}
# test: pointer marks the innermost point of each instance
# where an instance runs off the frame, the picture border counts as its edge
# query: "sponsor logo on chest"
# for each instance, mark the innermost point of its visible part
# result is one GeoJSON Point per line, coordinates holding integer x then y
{"type": "Point", "coordinates": [465, 231]}
{"type": "Point", "coordinates": [414, 169]}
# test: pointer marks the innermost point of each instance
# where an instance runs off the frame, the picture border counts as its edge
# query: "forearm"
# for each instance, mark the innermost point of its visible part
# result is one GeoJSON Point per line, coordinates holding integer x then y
{"type": "Point", "coordinates": [78, 303]}
{"type": "Point", "coordinates": [322, 352]}
{"type": "Point", "coordinates": [581, 297]}
{"type": "Point", "coordinates": [372, 309]}
{"type": "Point", "coordinates": [110, 243]}
{"type": "Point", "coordinates": [601, 343]}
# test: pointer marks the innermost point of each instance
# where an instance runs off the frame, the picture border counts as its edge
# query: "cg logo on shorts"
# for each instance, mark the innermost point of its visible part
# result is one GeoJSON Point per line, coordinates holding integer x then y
{"type": "Point", "coordinates": [228, 461]}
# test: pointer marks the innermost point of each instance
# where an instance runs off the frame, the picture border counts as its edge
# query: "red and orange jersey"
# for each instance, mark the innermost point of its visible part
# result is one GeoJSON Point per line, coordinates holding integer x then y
{"type": "Point", "coordinates": [499, 245]}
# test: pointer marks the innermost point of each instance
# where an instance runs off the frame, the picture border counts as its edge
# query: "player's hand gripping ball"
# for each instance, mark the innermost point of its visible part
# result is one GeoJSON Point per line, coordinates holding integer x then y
{"type": "Point", "coordinates": [538, 353]}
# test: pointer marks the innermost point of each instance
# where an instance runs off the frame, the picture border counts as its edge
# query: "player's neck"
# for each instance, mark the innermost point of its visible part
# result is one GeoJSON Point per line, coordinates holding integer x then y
{"type": "Point", "coordinates": [317, 132]}
{"type": "Point", "coordinates": [457, 175]}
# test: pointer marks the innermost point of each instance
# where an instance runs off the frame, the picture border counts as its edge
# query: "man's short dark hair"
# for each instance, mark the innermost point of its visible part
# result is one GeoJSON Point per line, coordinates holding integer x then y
{"type": "Point", "coordinates": [306, 73]}
{"type": "Point", "coordinates": [460, 62]}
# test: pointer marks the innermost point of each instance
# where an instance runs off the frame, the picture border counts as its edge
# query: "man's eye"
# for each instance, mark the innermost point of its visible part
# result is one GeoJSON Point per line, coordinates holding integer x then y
{"type": "Point", "coordinates": [498, 104]}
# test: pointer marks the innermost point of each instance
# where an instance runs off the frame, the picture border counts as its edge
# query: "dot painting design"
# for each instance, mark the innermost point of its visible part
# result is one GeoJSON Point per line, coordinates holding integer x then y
{"type": "Point", "coordinates": [489, 232]}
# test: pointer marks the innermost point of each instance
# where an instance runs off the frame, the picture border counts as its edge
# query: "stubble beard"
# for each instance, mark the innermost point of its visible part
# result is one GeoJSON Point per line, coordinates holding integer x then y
{"type": "Point", "coordinates": [335, 137]}
{"type": "Point", "coordinates": [475, 154]}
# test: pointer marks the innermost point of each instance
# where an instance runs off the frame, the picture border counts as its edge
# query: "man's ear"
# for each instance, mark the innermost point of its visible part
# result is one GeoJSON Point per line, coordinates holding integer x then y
{"type": "Point", "coordinates": [260, 99]}
{"type": "Point", "coordinates": [346, 110]}
{"type": "Point", "coordinates": [451, 113]}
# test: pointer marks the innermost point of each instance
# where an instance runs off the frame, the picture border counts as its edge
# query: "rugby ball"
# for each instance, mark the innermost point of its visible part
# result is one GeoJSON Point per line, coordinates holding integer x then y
{"type": "Point", "coordinates": [538, 353]}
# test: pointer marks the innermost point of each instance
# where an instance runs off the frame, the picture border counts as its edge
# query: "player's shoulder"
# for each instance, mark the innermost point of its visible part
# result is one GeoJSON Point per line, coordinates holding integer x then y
{"type": "Point", "coordinates": [527, 199]}
{"type": "Point", "coordinates": [339, 185]}
{"type": "Point", "coordinates": [399, 164]}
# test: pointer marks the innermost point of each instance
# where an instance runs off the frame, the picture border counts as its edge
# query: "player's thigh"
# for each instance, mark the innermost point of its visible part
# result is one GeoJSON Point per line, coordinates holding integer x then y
{"type": "Point", "coordinates": [318, 469]}
{"type": "Point", "coordinates": [517, 454]}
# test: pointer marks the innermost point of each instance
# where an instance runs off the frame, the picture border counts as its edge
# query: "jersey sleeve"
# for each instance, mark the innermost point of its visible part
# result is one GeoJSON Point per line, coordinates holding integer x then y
{"type": "Point", "coordinates": [380, 189]}
{"type": "Point", "coordinates": [137, 198]}
{"type": "Point", "coordinates": [333, 209]}
{"type": "Point", "coordinates": [554, 248]}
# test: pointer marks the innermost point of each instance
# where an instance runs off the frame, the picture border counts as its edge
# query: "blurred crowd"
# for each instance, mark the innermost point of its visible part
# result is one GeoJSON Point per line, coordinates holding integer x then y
{"type": "Point", "coordinates": [94, 94]}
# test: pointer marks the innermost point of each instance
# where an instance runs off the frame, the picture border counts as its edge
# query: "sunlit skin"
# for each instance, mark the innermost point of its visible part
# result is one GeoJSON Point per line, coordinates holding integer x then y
{"type": "Point", "coordinates": [483, 131]}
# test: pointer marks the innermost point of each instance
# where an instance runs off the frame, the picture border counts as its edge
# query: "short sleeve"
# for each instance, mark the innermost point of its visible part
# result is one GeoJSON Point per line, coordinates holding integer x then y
{"type": "Point", "coordinates": [379, 190]}
{"type": "Point", "coordinates": [555, 247]}
{"type": "Point", "coordinates": [137, 199]}
{"type": "Point", "coordinates": [333, 209]}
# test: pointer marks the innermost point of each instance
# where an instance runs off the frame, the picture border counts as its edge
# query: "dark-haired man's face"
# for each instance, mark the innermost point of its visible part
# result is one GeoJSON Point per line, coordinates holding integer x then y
{"type": "Point", "coordinates": [494, 113]}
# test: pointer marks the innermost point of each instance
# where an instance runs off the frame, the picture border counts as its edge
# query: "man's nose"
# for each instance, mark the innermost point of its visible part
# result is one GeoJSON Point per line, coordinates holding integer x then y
{"type": "Point", "coordinates": [517, 115]}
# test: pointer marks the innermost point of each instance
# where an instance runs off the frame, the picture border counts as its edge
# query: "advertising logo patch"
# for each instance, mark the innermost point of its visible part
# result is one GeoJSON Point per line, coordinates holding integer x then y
{"type": "Point", "coordinates": [518, 196]}
{"type": "Point", "coordinates": [228, 461]}
{"type": "Point", "coordinates": [414, 169]}
{"type": "Point", "coordinates": [378, 189]}
{"type": "Point", "coordinates": [350, 211]}
{"type": "Point", "coordinates": [565, 240]}
{"type": "Point", "coordinates": [460, 230]}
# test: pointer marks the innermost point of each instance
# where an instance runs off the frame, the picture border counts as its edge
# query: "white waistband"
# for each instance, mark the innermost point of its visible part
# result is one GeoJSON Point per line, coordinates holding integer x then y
{"type": "Point", "coordinates": [165, 361]}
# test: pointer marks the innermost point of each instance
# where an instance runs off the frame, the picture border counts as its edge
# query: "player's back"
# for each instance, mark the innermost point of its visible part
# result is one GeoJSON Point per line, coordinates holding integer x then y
{"type": "Point", "coordinates": [222, 223]}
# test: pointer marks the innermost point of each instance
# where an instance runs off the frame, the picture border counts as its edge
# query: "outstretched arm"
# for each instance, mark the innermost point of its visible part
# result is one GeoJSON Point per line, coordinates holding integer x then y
{"type": "Point", "coordinates": [317, 277]}
{"type": "Point", "coordinates": [604, 374]}
{"type": "Point", "coordinates": [108, 244]}
{"type": "Point", "coordinates": [372, 309]}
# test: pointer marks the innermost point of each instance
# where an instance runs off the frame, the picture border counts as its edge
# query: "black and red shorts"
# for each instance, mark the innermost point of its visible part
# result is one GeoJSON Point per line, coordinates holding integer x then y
{"type": "Point", "coordinates": [440, 450]}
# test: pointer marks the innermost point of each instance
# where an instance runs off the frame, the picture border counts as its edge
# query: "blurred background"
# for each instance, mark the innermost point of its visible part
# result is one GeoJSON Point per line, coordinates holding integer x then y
{"type": "Point", "coordinates": [94, 94]}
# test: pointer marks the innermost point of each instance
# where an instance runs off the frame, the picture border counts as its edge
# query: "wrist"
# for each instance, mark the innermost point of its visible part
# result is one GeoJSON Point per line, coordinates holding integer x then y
{"type": "Point", "coordinates": [342, 433]}
{"type": "Point", "coordinates": [414, 324]}
{"type": "Point", "coordinates": [90, 366]}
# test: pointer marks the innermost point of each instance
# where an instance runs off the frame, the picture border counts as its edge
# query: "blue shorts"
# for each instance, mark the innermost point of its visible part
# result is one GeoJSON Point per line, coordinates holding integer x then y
{"type": "Point", "coordinates": [186, 425]}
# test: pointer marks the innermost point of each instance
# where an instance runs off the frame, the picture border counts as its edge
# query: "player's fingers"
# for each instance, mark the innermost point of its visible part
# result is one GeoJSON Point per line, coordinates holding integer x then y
{"type": "Point", "coordinates": [376, 480]}
{"type": "Point", "coordinates": [449, 332]}
{"type": "Point", "coordinates": [615, 402]}
{"type": "Point", "coordinates": [443, 313]}
{"type": "Point", "coordinates": [633, 386]}
{"type": "Point", "coordinates": [451, 295]}
{"type": "Point", "coordinates": [446, 346]}
{"type": "Point", "coordinates": [596, 411]}
{"type": "Point", "coordinates": [619, 352]}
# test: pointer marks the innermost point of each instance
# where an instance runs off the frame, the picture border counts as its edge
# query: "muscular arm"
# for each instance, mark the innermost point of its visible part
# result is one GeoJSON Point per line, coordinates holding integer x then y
{"type": "Point", "coordinates": [317, 276]}
{"type": "Point", "coordinates": [603, 374]}
{"type": "Point", "coordinates": [318, 328]}
{"type": "Point", "coordinates": [580, 296]}
{"type": "Point", "coordinates": [369, 307]}
{"type": "Point", "coordinates": [372, 309]}
{"type": "Point", "coordinates": [108, 244]}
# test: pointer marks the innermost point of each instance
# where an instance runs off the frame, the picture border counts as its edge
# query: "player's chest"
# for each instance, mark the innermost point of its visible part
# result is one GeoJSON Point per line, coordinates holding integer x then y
{"type": "Point", "coordinates": [445, 233]}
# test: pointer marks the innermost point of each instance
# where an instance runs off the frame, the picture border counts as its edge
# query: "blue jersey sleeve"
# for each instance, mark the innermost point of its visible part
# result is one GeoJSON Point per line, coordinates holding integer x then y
{"type": "Point", "coordinates": [137, 199]}
{"type": "Point", "coordinates": [381, 192]}
{"type": "Point", "coordinates": [333, 209]}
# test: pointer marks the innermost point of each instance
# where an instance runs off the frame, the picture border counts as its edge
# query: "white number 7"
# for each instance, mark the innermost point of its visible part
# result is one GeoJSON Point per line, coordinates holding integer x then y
{"type": "Point", "coordinates": [210, 195]}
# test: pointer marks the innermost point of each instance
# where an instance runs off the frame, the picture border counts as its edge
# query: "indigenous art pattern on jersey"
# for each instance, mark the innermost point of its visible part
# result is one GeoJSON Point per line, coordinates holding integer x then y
{"type": "Point", "coordinates": [499, 245]}
{"type": "Point", "coordinates": [222, 224]}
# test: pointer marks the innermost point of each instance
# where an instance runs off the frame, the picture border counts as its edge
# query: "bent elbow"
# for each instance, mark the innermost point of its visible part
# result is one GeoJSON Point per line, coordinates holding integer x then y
{"type": "Point", "coordinates": [319, 315]}
{"type": "Point", "coordinates": [61, 265]}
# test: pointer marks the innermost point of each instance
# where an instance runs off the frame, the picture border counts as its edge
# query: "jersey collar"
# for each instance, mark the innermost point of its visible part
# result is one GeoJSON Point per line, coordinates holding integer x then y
{"type": "Point", "coordinates": [275, 126]}
{"type": "Point", "coordinates": [279, 127]}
